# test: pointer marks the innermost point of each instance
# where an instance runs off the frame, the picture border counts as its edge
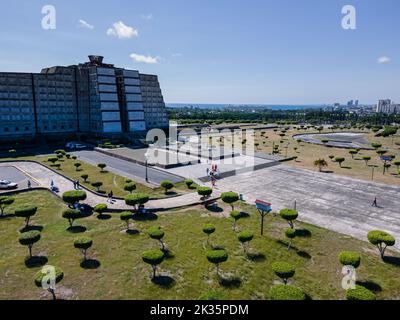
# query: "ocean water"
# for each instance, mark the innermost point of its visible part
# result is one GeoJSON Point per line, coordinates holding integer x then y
{"type": "Point", "coordinates": [242, 106]}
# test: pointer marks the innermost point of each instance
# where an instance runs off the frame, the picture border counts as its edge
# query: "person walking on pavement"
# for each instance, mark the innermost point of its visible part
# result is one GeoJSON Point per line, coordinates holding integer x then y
{"type": "Point", "coordinates": [29, 184]}
{"type": "Point", "coordinates": [375, 203]}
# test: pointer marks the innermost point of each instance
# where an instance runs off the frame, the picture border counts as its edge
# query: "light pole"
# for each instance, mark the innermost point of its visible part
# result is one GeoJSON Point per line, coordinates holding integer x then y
{"type": "Point", "coordinates": [147, 174]}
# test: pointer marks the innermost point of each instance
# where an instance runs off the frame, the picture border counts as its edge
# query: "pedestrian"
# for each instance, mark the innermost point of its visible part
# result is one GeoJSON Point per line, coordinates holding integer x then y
{"type": "Point", "coordinates": [51, 184]}
{"type": "Point", "coordinates": [29, 184]}
{"type": "Point", "coordinates": [111, 196]}
{"type": "Point", "coordinates": [74, 184]}
{"type": "Point", "coordinates": [77, 184]}
{"type": "Point", "coordinates": [375, 203]}
{"type": "Point", "coordinates": [208, 171]}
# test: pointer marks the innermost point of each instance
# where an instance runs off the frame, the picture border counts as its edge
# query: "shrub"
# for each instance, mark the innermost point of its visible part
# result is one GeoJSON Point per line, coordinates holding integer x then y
{"type": "Point", "coordinates": [348, 258]}
{"type": "Point", "coordinates": [77, 166]}
{"type": "Point", "coordinates": [26, 211]}
{"type": "Point", "coordinates": [29, 239]}
{"type": "Point", "coordinates": [154, 258]}
{"type": "Point", "coordinates": [126, 216]}
{"type": "Point", "coordinates": [290, 234]}
{"type": "Point", "coordinates": [5, 201]}
{"type": "Point", "coordinates": [102, 166]}
{"type": "Point", "coordinates": [245, 237]}
{"type": "Point", "coordinates": [284, 292]}
{"type": "Point", "coordinates": [71, 215]}
{"type": "Point", "coordinates": [157, 234]}
{"type": "Point", "coordinates": [381, 240]}
{"type": "Point", "coordinates": [136, 199]}
{"type": "Point", "coordinates": [212, 296]}
{"type": "Point", "coordinates": [366, 159]}
{"type": "Point", "coordinates": [204, 192]}
{"type": "Point", "coordinates": [130, 187]}
{"type": "Point", "coordinates": [85, 176]}
{"type": "Point", "coordinates": [353, 153]}
{"type": "Point", "coordinates": [360, 293]}
{"type": "Point", "coordinates": [236, 215]}
{"type": "Point", "coordinates": [340, 160]}
{"type": "Point", "coordinates": [283, 270]}
{"type": "Point", "coordinates": [100, 208]}
{"type": "Point", "coordinates": [83, 244]}
{"type": "Point", "coordinates": [73, 197]}
{"type": "Point", "coordinates": [230, 198]}
{"type": "Point", "coordinates": [189, 183]}
{"type": "Point", "coordinates": [290, 215]}
{"type": "Point", "coordinates": [41, 276]}
{"type": "Point", "coordinates": [53, 160]}
{"type": "Point", "coordinates": [97, 185]}
{"type": "Point", "coordinates": [167, 185]}
{"type": "Point", "coordinates": [217, 257]}
{"type": "Point", "coordinates": [208, 229]}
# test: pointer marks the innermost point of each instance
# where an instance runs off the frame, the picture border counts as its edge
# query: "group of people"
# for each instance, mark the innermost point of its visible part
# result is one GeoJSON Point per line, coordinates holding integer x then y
{"type": "Point", "coordinates": [76, 185]}
{"type": "Point", "coordinates": [213, 174]}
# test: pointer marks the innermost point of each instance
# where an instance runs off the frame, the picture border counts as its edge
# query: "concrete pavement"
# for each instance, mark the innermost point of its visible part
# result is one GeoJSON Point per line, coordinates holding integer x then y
{"type": "Point", "coordinates": [335, 202]}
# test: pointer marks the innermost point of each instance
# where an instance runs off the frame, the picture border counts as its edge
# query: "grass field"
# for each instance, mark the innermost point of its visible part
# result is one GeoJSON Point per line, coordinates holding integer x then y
{"type": "Point", "coordinates": [186, 273]}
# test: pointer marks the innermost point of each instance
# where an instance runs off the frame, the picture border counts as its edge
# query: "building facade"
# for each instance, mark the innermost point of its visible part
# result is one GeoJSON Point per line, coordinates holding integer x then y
{"type": "Point", "coordinates": [92, 97]}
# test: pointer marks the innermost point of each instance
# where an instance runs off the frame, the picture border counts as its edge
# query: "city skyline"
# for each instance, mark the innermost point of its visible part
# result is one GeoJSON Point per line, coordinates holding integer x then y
{"type": "Point", "coordinates": [268, 53]}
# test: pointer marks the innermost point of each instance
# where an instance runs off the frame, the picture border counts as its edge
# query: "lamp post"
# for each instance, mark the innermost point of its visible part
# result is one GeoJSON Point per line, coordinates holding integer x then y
{"type": "Point", "coordinates": [147, 174]}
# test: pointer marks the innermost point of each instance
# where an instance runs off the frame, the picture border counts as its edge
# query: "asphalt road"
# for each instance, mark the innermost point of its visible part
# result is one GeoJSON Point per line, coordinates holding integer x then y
{"type": "Point", "coordinates": [14, 175]}
{"type": "Point", "coordinates": [126, 168]}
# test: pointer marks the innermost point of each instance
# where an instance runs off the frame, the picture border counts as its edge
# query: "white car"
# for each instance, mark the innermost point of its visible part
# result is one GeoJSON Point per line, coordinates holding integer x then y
{"type": "Point", "coordinates": [5, 184]}
{"type": "Point", "coordinates": [75, 146]}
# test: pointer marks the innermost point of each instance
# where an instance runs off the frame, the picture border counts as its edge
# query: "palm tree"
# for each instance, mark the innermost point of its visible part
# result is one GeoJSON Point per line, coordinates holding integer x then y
{"type": "Point", "coordinates": [320, 163]}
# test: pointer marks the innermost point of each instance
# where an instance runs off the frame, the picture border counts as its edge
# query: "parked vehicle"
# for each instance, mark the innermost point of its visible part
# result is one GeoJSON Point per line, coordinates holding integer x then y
{"type": "Point", "coordinates": [5, 184]}
{"type": "Point", "coordinates": [75, 146]}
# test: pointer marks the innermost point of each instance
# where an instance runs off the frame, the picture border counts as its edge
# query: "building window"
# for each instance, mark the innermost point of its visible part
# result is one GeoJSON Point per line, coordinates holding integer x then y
{"type": "Point", "coordinates": [16, 129]}
{"type": "Point", "coordinates": [6, 129]}
{"type": "Point", "coordinates": [26, 128]}
{"type": "Point", "coordinates": [54, 127]}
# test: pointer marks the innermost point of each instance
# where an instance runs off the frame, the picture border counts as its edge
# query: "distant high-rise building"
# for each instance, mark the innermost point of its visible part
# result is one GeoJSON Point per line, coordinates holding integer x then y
{"type": "Point", "coordinates": [383, 106]}
{"type": "Point", "coordinates": [92, 97]}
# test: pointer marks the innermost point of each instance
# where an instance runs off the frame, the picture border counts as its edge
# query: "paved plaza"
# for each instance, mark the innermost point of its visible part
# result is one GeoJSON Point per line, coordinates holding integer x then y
{"type": "Point", "coordinates": [335, 202]}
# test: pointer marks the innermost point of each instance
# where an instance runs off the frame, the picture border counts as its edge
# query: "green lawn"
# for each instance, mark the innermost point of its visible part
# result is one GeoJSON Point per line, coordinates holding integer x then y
{"type": "Point", "coordinates": [123, 275]}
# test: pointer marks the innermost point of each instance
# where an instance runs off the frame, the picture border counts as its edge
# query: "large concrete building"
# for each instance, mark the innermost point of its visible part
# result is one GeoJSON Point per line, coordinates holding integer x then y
{"type": "Point", "coordinates": [91, 97]}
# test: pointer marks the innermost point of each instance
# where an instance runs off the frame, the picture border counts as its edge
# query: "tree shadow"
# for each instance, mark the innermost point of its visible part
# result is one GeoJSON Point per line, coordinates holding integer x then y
{"type": "Point", "coordinates": [370, 285]}
{"type": "Point", "coordinates": [326, 171]}
{"type": "Point", "coordinates": [171, 193]}
{"type": "Point", "coordinates": [230, 281]}
{"type": "Point", "coordinates": [394, 261]}
{"type": "Point", "coordinates": [90, 264]}
{"type": "Point", "coordinates": [101, 191]}
{"type": "Point", "coordinates": [104, 217]}
{"type": "Point", "coordinates": [77, 229]}
{"type": "Point", "coordinates": [7, 216]}
{"type": "Point", "coordinates": [256, 256]}
{"type": "Point", "coordinates": [346, 167]}
{"type": "Point", "coordinates": [36, 261]}
{"type": "Point", "coordinates": [166, 282]}
{"type": "Point", "coordinates": [215, 209]}
{"type": "Point", "coordinates": [303, 254]}
{"type": "Point", "coordinates": [244, 215]}
{"type": "Point", "coordinates": [168, 254]}
{"type": "Point", "coordinates": [132, 232]}
{"type": "Point", "coordinates": [148, 216]}
{"type": "Point", "coordinates": [31, 228]}
{"type": "Point", "coordinates": [217, 247]}
{"type": "Point", "coordinates": [303, 233]}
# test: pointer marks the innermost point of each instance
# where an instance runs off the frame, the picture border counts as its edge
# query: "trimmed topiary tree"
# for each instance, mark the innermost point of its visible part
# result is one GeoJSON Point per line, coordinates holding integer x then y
{"type": "Point", "coordinates": [349, 258]}
{"type": "Point", "coordinates": [102, 166]}
{"type": "Point", "coordinates": [85, 176]}
{"type": "Point", "coordinates": [381, 240]}
{"type": "Point", "coordinates": [366, 159]}
{"type": "Point", "coordinates": [217, 257]}
{"type": "Point", "coordinates": [77, 165]}
{"type": "Point", "coordinates": [97, 185]}
{"type": "Point", "coordinates": [245, 237]}
{"type": "Point", "coordinates": [73, 197]}
{"type": "Point", "coordinates": [136, 199]}
{"type": "Point", "coordinates": [340, 160]}
{"type": "Point", "coordinates": [43, 277]}
{"type": "Point", "coordinates": [290, 234]}
{"type": "Point", "coordinates": [29, 239]}
{"type": "Point", "coordinates": [5, 201]}
{"type": "Point", "coordinates": [130, 187]}
{"type": "Point", "coordinates": [157, 234]}
{"type": "Point", "coordinates": [236, 216]}
{"type": "Point", "coordinates": [189, 183]}
{"type": "Point", "coordinates": [230, 198]}
{"type": "Point", "coordinates": [284, 270]}
{"type": "Point", "coordinates": [290, 215]}
{"type": "Point", "coordinates": [204, 192]}
{"type": "Point", "coordinates": [166, 185]}
{"type": "Point", "coordinates": [353, 153]}
{"type": "Point", "coordinates": [208, 229]}
{"type": "Point", "coordinates": [360, 293]}
{"type": "Point", "coordinates": [26, 212]}
{"type": "Point", "coordinates": [126, 217]}
{"type": "Point", "coordinates": [71, 215]}
{"type": "Point", "coordinates": [153, 258]}
{"type": "Point", "coordinates": [83, 244]}
{"type": "Point", "coordinates": [100, 209]}
{"type": "Point", "coordinates": [283, 292]}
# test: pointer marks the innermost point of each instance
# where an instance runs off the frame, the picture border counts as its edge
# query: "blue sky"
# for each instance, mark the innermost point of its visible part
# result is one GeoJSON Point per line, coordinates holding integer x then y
{"type": "Point", "coordinates": [219, 51]}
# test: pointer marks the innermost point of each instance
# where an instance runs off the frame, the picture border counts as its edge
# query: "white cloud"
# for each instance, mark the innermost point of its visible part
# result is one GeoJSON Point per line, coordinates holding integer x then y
{"type": "Point", "coordinates": [122, 31]}
{"type": "Point", "coordinates": [383, 60]}
{"type": "Point", "coordinates": [147, 16]}
{"type": "Point", "coordinates": [84, 24]}
{"type": "Point", "coordinates": [144, 59]}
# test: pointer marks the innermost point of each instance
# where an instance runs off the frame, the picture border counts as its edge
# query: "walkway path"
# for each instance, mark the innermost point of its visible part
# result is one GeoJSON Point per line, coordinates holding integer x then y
{"type": "Point", "coordinates": [43, 177]}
